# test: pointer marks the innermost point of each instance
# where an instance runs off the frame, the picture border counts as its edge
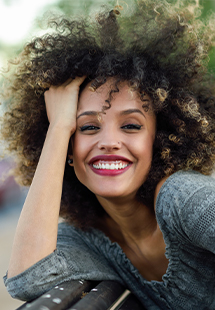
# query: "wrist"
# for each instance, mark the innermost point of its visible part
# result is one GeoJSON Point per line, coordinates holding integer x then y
{"type": "Point", "coordinates": [65, 130]}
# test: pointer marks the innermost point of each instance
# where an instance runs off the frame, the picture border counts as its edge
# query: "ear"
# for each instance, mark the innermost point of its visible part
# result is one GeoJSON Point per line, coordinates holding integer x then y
{"type": "Point", "coordinates": [70, 160]}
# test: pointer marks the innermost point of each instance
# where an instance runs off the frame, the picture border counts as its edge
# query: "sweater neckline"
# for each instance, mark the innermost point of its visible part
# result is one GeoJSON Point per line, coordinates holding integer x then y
{"type": "Point", "coordinates": [115, 254]}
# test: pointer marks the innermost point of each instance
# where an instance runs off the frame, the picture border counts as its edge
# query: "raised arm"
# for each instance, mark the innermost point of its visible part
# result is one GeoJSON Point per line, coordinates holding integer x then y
{"type": "Point", "coordinates": [36, 233]}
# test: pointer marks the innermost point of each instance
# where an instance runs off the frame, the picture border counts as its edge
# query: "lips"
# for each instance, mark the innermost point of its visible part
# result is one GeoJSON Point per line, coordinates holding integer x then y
{"type": "Point", "coordinates": [116, 165]}
{"type": "Point", "coordinates": [109, 164]}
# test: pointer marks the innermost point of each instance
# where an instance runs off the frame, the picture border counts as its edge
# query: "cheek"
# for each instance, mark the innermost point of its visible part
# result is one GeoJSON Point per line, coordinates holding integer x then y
{"type": "Point", "coordinates": [143, 148]}
{"type": "Point", "coordinates": [78, 157]}
{"type": "Point", "coordinates": [78, 146]}
{"type": "Point", "coordinates": [82, 146]}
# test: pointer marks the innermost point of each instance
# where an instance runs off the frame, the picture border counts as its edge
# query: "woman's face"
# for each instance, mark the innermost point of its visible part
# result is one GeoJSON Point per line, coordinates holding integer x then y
{"type": "Point", "coordinates": [112, 152]}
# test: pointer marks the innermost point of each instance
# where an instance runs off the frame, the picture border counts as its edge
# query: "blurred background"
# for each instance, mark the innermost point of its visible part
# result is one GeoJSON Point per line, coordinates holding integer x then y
{"type": "Point", "coordinates": [20, 20]}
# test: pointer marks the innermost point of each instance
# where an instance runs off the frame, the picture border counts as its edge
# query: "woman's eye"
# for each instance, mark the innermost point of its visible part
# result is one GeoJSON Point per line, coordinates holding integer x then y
{"type": "Point", "coordinates": [89, 127]}
{"type": "Point", "coordinates": [132, 126]}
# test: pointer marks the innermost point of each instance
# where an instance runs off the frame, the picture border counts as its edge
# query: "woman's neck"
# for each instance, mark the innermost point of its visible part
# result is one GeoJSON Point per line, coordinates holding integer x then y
{"type": "Point", "coordinates": [134, 227]}
{"type": "Point", "coordinates": [129, 219]}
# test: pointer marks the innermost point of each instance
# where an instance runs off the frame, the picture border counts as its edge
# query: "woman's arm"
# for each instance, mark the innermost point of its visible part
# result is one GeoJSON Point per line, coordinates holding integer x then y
{"type": "Point", "coordinates": [36, 233]}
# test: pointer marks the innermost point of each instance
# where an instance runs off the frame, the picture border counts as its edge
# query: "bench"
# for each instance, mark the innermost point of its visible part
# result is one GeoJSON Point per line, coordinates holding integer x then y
{"type": "Point", "coordinates": [82, 295]}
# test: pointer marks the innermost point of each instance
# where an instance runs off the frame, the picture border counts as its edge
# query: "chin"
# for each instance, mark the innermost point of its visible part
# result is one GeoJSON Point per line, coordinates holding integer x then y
{"type": "Point", "coordinates": [116, 196]}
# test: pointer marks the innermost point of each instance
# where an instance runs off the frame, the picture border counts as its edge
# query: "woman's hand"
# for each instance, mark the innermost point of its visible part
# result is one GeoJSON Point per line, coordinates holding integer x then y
{"type": "Point", "coordinates": [61, 104]}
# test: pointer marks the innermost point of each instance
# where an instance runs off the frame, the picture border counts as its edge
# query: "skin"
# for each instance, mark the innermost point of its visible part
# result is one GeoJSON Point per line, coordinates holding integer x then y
{"type": "Point", "coordinates": [129, 223]}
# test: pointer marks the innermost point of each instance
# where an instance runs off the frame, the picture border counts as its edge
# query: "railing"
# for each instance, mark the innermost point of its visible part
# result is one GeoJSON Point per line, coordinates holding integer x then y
{"type": "Point", "coordinates": [85, 295]}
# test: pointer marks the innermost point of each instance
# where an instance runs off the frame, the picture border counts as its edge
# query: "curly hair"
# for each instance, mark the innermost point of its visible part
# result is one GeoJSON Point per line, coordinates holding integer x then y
{"type": "Point", "coordinates": [160, 49]}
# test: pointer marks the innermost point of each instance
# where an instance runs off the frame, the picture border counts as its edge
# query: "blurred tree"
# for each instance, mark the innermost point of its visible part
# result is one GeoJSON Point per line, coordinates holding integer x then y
{"type": "Point", "coordinates": [78, 7]}
{"type": "Point", "coordinates": [208, 7]}
{"type": "Point", "coordinates": [71, 8]}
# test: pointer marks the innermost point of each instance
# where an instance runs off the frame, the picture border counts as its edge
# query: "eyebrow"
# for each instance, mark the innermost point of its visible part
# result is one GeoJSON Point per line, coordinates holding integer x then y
{"type": "Point", "coordinates": [125, 112]}
{"type": "Point", "coordinates": [94, 113]}
{"type": "Point", "coordinates": [130, 111]}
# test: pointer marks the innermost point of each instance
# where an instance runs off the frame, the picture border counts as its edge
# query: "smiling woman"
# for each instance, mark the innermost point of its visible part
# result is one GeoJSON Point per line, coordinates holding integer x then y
{"type": "Point", "coordinates": [112, 121]}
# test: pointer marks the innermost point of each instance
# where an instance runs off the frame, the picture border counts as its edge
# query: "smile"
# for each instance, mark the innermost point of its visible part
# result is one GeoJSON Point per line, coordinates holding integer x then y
{"type": "Point", "coordinates": [111, 165]}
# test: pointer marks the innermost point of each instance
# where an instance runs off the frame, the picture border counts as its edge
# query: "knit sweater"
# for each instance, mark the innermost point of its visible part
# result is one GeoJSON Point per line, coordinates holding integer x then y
{"type": "Point", "coordinates": [185, 212]}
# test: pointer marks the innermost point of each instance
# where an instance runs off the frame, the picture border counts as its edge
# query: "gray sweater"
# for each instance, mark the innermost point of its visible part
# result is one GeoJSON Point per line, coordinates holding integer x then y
{"type": "Point", "coordinates": [185, 211]}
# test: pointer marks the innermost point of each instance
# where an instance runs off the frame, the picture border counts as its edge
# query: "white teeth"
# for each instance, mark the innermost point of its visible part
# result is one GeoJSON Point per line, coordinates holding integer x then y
{"type": "Point", "coordinates": [112, 166]}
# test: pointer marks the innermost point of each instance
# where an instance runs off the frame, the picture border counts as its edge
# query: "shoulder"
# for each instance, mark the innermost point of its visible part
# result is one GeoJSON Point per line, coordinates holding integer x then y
{"type": "Point", "coordinates": [183, 184]}
{"type": "Point", "coordinates": [185, 203]}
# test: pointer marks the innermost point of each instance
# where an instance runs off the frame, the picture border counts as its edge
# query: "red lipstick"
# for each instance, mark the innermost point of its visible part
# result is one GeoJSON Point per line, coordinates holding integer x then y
{"type": "Point", "coordinates": [109, 165]}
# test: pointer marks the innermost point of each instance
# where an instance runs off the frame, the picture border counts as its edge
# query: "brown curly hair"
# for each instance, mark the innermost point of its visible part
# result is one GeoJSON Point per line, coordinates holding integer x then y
{"type": "Point", "coordinates": [161, 49]}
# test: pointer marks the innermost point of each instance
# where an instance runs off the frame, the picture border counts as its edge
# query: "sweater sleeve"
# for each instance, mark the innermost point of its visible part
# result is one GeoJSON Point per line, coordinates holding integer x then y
{"type": "Point", "coordinates": [186, 205]}
{"type": "Point", "coordinates": [72, 260]}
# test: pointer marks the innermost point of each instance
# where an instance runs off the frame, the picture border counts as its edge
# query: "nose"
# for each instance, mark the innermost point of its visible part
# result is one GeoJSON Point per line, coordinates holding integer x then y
{"type": "Point", "coordinates": [109, 141]}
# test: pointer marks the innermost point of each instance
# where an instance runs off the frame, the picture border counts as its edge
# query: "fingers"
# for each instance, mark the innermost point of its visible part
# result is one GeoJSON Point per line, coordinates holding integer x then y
{"type": "Point", "coordinates": [61, 103]}
{"type": "Point", "coordinates": [77, 81]}
{"type": "Point", "coordinates": [70, 83]}
{"type": "Point", "coordinates": [67, 82]}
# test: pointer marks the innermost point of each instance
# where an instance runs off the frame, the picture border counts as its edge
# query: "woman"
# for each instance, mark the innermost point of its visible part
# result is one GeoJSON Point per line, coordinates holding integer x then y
{"type": "Point", "coordinates": [112, 122]}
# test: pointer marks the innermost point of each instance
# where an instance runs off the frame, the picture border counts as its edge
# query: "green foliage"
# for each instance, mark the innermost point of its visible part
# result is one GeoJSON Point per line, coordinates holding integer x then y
{"type": "Point", "coordinates": [209, 6]}
{"type": "Point", "coordinates": [71, 8]}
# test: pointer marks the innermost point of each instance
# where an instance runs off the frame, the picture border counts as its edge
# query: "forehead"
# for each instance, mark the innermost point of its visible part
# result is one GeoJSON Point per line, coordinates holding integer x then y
{"type": "Point", "coordinates": [122, 97]}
